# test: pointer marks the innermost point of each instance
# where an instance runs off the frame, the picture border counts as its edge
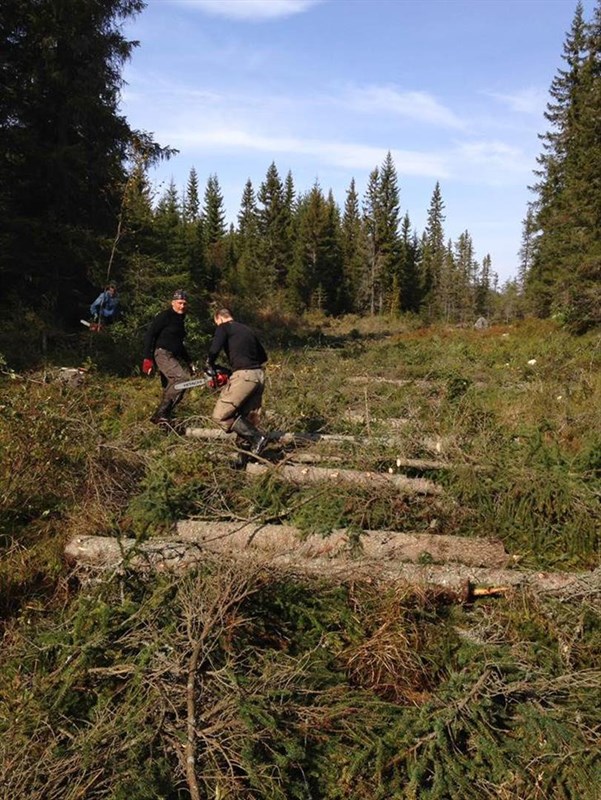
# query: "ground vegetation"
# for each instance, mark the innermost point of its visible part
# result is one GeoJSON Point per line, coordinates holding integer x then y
{"type": "Point", "coordinates": [254, 681]}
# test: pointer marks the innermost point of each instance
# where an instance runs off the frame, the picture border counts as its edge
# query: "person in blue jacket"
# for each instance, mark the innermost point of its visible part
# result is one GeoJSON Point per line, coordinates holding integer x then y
{"type": "Point", "coordinates": [105, 308]}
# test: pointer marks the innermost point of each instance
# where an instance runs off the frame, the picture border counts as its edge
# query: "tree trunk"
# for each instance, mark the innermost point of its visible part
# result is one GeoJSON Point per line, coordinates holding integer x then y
{"type": "Point", "coordinates": [372, 480]}
{"type": "Point", "coordinates": [458, 581]}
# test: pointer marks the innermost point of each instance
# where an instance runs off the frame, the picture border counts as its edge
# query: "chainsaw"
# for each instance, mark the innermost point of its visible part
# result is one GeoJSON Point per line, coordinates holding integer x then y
{"type": "Point", "coordinates": [218, 381]}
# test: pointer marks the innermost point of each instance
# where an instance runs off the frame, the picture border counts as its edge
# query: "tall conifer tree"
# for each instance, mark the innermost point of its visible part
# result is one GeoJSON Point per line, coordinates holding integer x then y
{"type": "Point", "coordinates": [565, 271]}
{"type": "Point", "coordinates": [433, 255]}
{"type": "Point", "coordinates": [252, 279]}
{"type": "Point", "coordinates": [410, 279]}
{"type": "Point", "coordinates": [274, 221]}
{"type": "Point", "coordinates": [214, 229]}
{"type": "Point", "coordinates": [389, 210]}
{"type": "Point", "coordinates": [353, 250]}
{"type": "Point", "coordinates": [63, 143]}
{"type": "Point", "coordinates": [191, 203]}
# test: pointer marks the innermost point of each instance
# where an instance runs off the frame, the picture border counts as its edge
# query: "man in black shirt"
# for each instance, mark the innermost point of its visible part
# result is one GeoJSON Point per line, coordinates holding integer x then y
{"type": "Point", "coordinates": [240, 400]}
{"type": "Point", "coordinates": [164, 347]}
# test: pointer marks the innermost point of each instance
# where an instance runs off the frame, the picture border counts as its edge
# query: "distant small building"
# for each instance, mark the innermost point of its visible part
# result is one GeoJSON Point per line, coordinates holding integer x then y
{"type": "Point", "coordinates": [481, 324]}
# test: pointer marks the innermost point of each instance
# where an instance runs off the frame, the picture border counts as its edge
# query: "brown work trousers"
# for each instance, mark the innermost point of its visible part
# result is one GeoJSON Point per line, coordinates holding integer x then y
{"type": "Point", "coordinates": [240, 397]}
{"type": "Point", "coordinates": [172, 372]}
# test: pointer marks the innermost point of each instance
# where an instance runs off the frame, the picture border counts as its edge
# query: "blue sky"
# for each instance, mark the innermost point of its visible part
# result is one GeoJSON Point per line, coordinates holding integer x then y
{"type": "Point", "coordinates": [455, 89]}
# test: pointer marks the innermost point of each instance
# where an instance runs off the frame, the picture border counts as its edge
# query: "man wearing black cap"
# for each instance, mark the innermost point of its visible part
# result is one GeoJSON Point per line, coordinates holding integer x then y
{"type": "Point", "coordinates": [164, 348]}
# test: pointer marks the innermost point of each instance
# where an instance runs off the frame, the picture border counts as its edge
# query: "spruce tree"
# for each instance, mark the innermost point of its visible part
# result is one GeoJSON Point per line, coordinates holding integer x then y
{"type": "Point", "coordinates": [483, 306]}
{"type": "Point", "coordinates": [315, 279]}
{"type": "Point", "coordinates": [63, 143]}
{"type": "Point", "coordinates": [303, 277]}
{"type": "Point", "coordinates": [332, 277]}
{"type": "Point", "coordinates": [381, 220]}
{"type": "Point", "coordinates": [251, 279]}
{"type": "Point", "coordinates": [191, 202]}
{"type": "Point", "coordinates": [580, 277]}
{"type": "Point", "coordinates": [410, 279]}
{"type": "Point", "coordinates": [565, 272]}
{"type": "Point", "coordinates": [463, 282]}
{"type": "Point", "coordinates": [193, 233]}
{"type": "Point", "coordinates": [352, 245]}
{"type": "Point", "coordinates": [527, 246]}
{"type": "Point", "coordinates": [274, 228]}
{"type": "Point", "coordinates": [372, 223]}
{"type": "Point", "coordinates": [214, 229]}
{"type": "Point", "coordinates": [389, 209]}
{"type": "Point", "coordinates": [433, 253]}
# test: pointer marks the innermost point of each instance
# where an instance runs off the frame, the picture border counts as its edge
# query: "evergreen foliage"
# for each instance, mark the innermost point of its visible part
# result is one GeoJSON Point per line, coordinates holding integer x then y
{"type": "Point", "coordinates": [433, 251]}
{"type": "Point", "coordinates": [301, 691]}
{"type": "Point", "coordinates": [303, 688]}
{"type": "Point", "coordinates": [78, 209]}
{"type": "Point", "coordinates": [63, 145]}
{"type": "Point", "coordinates": [565, 273]}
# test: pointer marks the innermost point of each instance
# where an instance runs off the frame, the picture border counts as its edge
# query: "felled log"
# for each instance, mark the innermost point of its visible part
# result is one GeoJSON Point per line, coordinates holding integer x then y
{"type": "Point", "coordinates": [404, 463]}
{"type": "Point", "coordinates": [308, 474]}
{"type": "Point", "coordinates": [275, 436]}
{"type": "Point", "coordinates": [422, 383]}
{"type": "Point", "coordinates": [299, 439]}
{"type": "Point", "coordinates": [458, 581]}
{"type": "Point", "coordinates": [363, 380]}
{"type": "Point", "coordinates": [364, 419]}
{"type": "Point", "coordinates": [273, 540]}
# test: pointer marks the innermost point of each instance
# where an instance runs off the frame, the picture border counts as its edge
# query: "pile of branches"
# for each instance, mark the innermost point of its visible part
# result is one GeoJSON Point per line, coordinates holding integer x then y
{"type": "Point", "coordinates": [238, 682]}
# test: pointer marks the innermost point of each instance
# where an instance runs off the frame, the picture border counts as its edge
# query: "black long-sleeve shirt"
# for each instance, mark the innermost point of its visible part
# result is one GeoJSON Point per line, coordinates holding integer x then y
{"type": "Point", "coordinates": [167, 330]}
{"type": "Point", "coordinates": [240, 344]}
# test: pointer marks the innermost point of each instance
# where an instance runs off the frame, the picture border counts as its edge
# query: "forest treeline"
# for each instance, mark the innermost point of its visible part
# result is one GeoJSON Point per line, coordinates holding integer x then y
{"type": "Point", "coordinates": [78, 209]}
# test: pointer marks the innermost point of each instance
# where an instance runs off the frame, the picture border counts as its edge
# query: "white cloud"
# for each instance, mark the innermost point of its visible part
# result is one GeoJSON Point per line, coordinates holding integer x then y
{"type": "Point", "coordinates": [347, 155]}
{"type": "Point", "coordinates": [414, 105]}
{"type": "Point", "coordinates": [196, 120]}
{"type": "Point", "coordinates": [524, 101]}
{"type": "Point", "coordinates": [251, 9]}
{"type": "Point", "coordinates": [490, 162]}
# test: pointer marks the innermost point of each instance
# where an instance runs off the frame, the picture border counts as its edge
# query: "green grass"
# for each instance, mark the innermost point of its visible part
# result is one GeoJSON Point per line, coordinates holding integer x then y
{"type": "Point", "coordinates": [315, 691]}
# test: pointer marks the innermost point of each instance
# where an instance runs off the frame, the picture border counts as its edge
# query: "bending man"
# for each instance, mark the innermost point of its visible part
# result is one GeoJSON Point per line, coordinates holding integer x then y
{"type": "Point", "coordinates": [105, 308]}
{"type": "Point", "coordinates": [164, 346]}
{"type": "Point", "coordinates": [239, 404]}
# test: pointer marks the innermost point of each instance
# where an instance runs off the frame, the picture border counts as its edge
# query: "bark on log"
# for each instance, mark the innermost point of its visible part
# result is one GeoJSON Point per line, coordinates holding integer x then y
{"type": "Point", "coordinates": [223, 537]}
{"type": "Point", "coordinates": [373, 480]}
{"type": "Point", "coordinates": [363, 380]}
{"type": "Point", "coordinates": [365, 419]}
{"type": "Point", "coordinates": [422, 383]}
{"type": "Point", "coordinates": [435, 445]}
{"type": "Point", "coordinates": [461, 581]}
{"type": "Point", "coordinates": [278, 436]}
{"type": "Point", "coordinates": [405, 463]}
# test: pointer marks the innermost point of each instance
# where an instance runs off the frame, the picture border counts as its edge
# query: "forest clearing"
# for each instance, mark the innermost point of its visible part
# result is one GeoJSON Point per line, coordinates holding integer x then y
{"type": "Point", "coordinates": [358, 649]}
{"type": "Point", "coordinates": [360, 559]}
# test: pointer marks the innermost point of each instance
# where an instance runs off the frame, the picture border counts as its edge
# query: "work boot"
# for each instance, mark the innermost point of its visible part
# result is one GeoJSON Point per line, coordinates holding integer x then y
{"type": "Point", "coordinates": [162, 415]}
{"type": "Point", "coordinates": [253, 436]}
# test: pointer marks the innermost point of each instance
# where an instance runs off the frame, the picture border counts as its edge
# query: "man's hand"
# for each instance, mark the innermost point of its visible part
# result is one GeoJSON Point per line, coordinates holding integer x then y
{"type": "Point", "coordinates": [148, 366]}
{"type": "Point", "coordinates": [210, 369]}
